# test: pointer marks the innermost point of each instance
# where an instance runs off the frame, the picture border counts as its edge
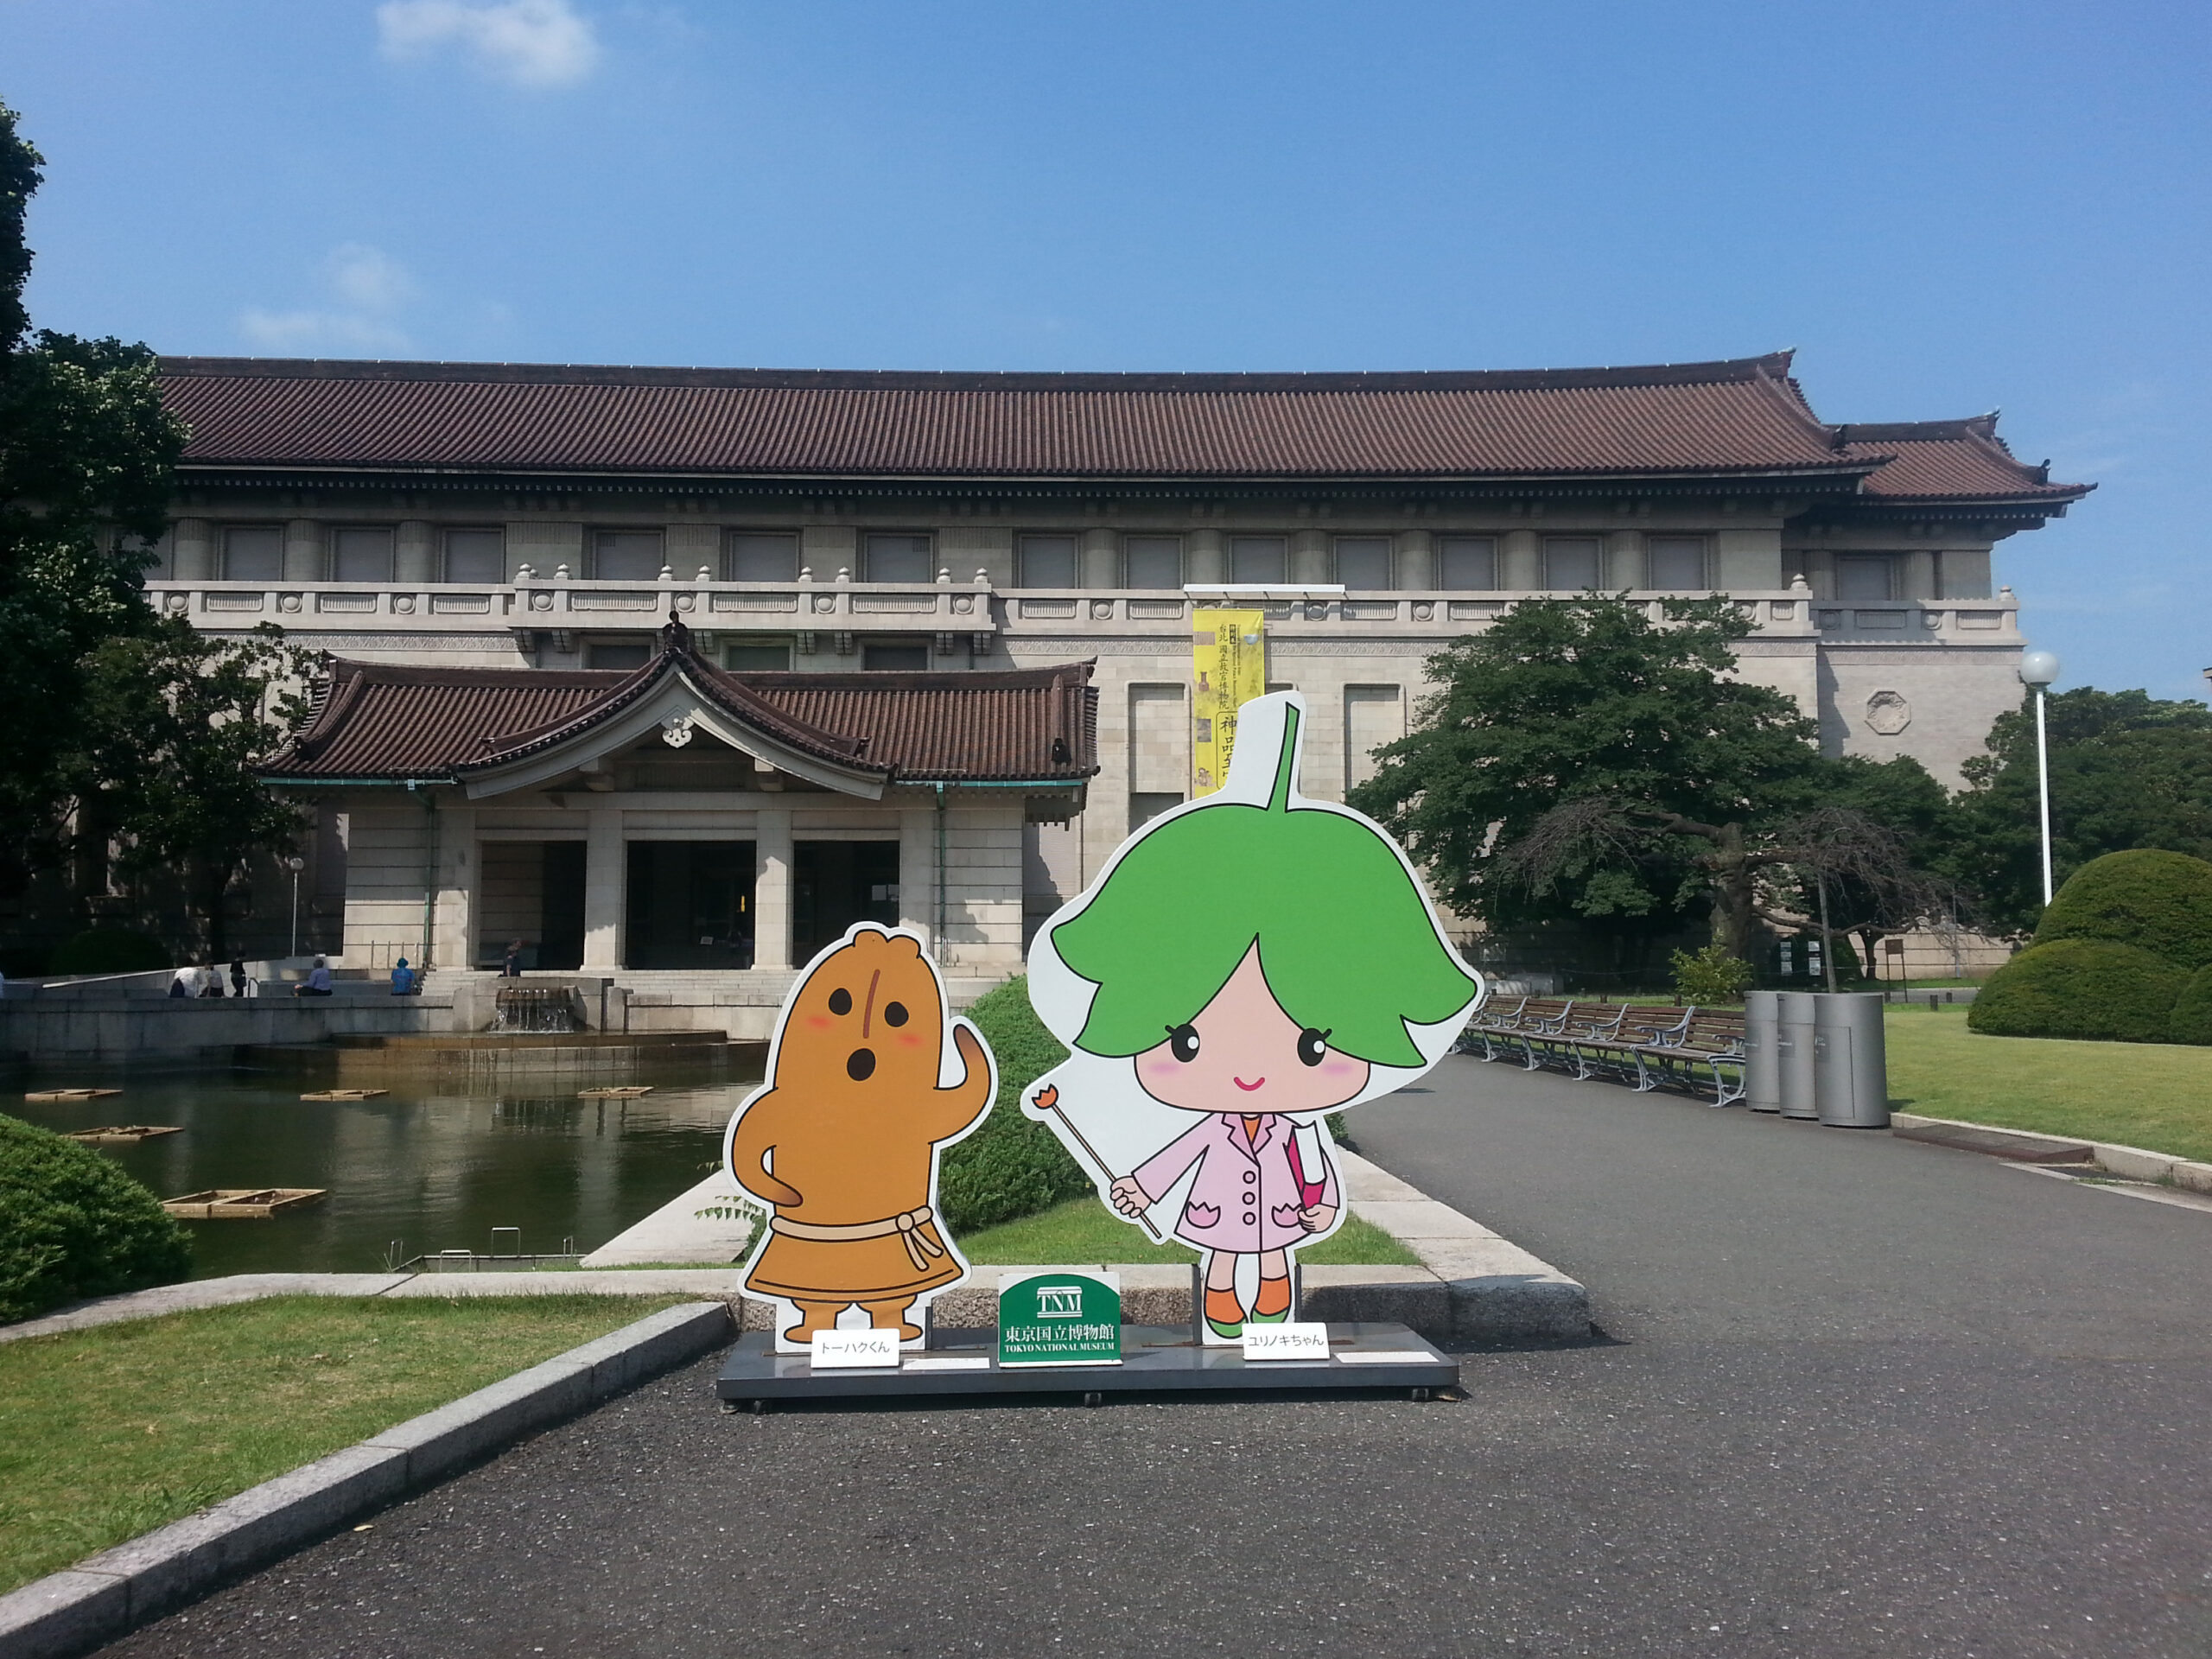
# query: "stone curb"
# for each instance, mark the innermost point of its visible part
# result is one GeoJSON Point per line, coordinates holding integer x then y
{"type": "Point", "coordinates": [98, 1599]}
{"type": "Point", "coordinates": [2132, 1163]}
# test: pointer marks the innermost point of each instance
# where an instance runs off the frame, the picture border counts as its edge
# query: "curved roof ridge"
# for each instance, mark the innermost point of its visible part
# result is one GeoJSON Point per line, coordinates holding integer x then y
{"type": "Point", "coordinates": [1771, 365]}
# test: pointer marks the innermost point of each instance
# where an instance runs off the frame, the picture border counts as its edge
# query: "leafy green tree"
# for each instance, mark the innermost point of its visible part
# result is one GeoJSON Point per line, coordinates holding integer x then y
{"type": "Point", "coordinates": [175, 723]}
{"type": "Point", "coordinates": [2128, 770]}
{"type": "Point", "coordinates": [86, 454]}
{"type": "Point", "coordinates": [1580, 760]}
{"type": "Point", "coordinates": [1664, 764]}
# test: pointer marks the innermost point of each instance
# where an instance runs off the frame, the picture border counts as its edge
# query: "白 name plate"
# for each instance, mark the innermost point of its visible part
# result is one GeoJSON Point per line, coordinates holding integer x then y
{"type": "Point", "coordinates": [852, 1350]}
{"type": "Point", "coordinates": [1294, 1339]}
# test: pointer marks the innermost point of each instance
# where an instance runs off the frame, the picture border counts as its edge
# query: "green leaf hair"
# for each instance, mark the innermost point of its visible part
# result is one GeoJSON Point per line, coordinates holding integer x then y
{"type": "Point", "coordinates": [1346, 940]}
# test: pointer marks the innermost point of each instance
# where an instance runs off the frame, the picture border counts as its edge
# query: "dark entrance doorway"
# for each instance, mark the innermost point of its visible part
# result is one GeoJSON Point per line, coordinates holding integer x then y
{"type": "Point", "coordinates": [691, 905]}
{"type": "Point", "coordinates": [532, 890]}
{"type": "Point", "coordinates": [836, 883]}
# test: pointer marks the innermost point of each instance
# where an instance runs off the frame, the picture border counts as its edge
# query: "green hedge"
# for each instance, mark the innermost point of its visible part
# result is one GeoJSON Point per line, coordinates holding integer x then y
{"type": "Point", "coordinates": [1011, 1166]}
{"type": "Point", "coordinates": [2080, 987]}
{"type": "Point", "coordinates": [108, 951]}
{"type": "Point", "coordinates": [2160, 902]}
{"type": "Point", "coordinates": [2191, 1020]}
{"type": "Point", "coordinates": [72, 1224]}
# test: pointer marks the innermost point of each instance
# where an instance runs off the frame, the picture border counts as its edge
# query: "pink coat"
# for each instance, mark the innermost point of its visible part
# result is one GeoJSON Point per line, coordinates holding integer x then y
{"type": "Point", "coordinates": [1246, 1197]}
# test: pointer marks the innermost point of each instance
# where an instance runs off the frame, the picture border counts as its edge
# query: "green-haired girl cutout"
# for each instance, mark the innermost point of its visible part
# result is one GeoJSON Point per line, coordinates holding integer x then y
{"type": "Point", "coordinates": [1258, 959]}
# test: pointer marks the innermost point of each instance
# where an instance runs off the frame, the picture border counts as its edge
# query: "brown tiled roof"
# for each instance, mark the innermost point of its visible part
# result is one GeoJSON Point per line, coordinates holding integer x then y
{"type": "Point", "coordinates": [384, 721]}
{"type": "Point", "coordinates": [1737, 416]}
{"type": "Point", "coordinates": [1947, 460]}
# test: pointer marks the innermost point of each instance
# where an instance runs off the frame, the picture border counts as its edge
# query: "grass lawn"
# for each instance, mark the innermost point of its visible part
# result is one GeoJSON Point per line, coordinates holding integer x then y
{"type": "Point", "coordinates": [1081, 1230]}
{"type": "Point", "coordinates": [109, 1432]}
{"type": "Point", "coordinates": [2158, 1096]}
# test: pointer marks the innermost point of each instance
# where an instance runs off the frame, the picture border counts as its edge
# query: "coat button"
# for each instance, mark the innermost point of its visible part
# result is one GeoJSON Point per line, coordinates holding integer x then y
{"type": "Point", "coordinates": [1249, 1218]}
{"type": "Point", "coordinates": [1249, 1177]}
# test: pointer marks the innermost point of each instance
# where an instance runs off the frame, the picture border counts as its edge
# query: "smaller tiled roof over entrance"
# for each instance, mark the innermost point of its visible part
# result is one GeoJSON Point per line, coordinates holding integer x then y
{"type": "Point", "coordinates": [388, 722]}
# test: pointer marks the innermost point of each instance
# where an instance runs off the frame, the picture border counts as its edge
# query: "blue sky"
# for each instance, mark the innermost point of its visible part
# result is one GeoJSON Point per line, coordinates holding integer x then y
{"type": "Point", "coordinates": [1945, 207]}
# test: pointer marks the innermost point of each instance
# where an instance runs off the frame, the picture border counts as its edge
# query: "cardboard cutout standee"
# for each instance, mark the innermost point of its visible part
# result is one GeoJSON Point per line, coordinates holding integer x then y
{"type": "Point", "coordinates": [867, 1082]}
{"type": "Point", "coordinates": [1258, 959]}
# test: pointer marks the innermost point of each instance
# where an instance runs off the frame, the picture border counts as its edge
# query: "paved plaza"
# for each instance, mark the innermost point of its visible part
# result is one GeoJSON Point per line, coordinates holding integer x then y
{"type": "Point", "coordinates": [1853, 1396]}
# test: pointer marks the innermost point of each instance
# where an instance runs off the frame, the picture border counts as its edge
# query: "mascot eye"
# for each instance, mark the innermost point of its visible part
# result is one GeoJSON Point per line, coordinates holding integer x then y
{"type": "Point", "coordinates": [1183, 1042]}
{"type": "Point", "coordinates": [1312, 1044]}
{"type": "Point", "coordinates": [841, 1000]}
{"type": "Point", "coordinates": [894, 1013]}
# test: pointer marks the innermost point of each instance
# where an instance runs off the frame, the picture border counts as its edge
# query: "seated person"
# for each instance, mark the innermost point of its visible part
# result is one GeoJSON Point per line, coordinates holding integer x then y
{"type": "Point", "coordinates": [318, 983]}
{"type": "Point", "coordinates": [403, 979]}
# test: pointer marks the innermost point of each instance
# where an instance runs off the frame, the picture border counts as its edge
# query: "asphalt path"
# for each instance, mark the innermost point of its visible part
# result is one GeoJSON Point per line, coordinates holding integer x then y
{"type": "Point", "coordinates": [1852, 1397]}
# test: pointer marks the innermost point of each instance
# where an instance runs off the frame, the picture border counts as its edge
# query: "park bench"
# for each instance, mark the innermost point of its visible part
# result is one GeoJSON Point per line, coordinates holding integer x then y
{"type": "Point", "coordinates": [1528, 1032]}
{"type": "Point", "coordinates": [1650, 1045]}
{"type": "Point", "coordinates": [1708, 1045]}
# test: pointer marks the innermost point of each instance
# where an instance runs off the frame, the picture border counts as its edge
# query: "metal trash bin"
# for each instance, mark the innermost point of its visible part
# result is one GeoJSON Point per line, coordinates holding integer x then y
{"type": "Point", "coordinates": [1793, 1047]}
{"type": "Point", "coordinates": [1762, 1052]}
{"type": "Point", "coordinates": [1851, 1067]}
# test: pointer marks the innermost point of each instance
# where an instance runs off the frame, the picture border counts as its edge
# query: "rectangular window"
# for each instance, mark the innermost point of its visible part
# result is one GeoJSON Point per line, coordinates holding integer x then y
{"type": "Point", "coordinates": [1145, 806]}
{"type": "Point", "coordinates": [1466, 563]}
{"type": "Point", "coordinates": [1153, 561]}
{"type": "Point", "coordinates": [757, 655]}
{"type": "Point", "coordinates": [476, 555]}
{"type": "Point", "coordinates": [1676, 564]}
{"type": "Point", "coordinates": [1363, 562]}
{"type": "Point", "coordinates": [1571, 563]}
{"type": "Point", "coordinates": [1048, 561]}
{"type": "Point", "coordinates": [615, 653]}
{"type": "Point", "coordinates": [253, 553]}
{"type": "Point", "coordinates": [895, 654]}
{"type": "Point", "coordinates": [760, 555]}
{"type": "Point", "coordinates": [1863, 576]}
{"type": "Point", "coordinates": [1259, 559]}
{"type": "Point", "coordinates": [897, 558]}
{"type": "Point", "coordinates": [361, 555]}
{"type": "Point", "coordinates": [627, 555]}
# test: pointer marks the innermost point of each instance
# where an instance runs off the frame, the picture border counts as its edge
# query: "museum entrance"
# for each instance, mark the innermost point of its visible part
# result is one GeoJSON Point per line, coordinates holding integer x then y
{"type": "Point", "coordinates": [689, 905]}
{"type": "Point", "coordinates": [836, 883]}
{"type": "Point", "coordinates": [531, 892]}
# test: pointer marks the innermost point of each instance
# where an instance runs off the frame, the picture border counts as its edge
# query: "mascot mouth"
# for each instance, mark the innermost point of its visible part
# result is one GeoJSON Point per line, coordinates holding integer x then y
{"type": "Point", "coordinates": [859, 1065]}
{"type": "Point", "coordinates": [1247, 1087]}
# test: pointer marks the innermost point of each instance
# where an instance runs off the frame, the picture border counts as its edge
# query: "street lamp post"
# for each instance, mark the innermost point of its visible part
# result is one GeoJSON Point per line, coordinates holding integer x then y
{"type": "Point", "coordinates": [295, 863]}
{"type": "Point", "coordinates": [2038, 669]}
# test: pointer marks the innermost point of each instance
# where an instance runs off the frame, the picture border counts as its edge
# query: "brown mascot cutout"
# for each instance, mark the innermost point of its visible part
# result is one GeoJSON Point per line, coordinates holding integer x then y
{"type": "Point", "coordinates": [844, 1137]}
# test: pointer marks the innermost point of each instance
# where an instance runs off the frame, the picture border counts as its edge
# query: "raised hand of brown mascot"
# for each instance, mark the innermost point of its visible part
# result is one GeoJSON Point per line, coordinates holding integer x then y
{"type": "Point", "coordinates": [843, 1141]}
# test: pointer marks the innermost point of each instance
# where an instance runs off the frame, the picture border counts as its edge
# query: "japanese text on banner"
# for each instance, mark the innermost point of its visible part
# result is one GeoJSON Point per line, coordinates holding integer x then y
{"type": "Point", "coordinates": [1229, 669]}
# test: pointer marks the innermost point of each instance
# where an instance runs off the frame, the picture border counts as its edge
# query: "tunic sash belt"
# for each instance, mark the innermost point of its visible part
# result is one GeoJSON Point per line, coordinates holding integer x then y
{"type": "Point", "coordinates": [919, 1245]}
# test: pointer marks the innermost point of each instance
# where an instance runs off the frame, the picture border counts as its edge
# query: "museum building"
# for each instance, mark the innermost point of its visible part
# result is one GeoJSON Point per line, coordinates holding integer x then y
{"type": "Point", "coordinates": [673, 671]}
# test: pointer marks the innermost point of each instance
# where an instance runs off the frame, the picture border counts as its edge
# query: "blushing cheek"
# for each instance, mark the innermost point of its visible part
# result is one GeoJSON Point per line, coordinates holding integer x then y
{"type": "Point", "coordinates": [819, 1021]}
{"type": "Point", "coordinates": [1340, 1070]}
{"type": "Point", "coordinates": [909, 1040]}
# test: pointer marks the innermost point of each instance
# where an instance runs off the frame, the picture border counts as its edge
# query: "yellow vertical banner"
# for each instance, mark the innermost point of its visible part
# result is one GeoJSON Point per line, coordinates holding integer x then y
{"type": "Point", "coordinates": [1229, 668]}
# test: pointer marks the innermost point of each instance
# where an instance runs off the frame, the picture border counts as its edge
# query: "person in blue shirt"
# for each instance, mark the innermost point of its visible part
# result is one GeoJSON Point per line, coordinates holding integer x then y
{"type": "Point", "coordinates": [403, 979]}
{"type": "Point", "coordinates": [318, 981]}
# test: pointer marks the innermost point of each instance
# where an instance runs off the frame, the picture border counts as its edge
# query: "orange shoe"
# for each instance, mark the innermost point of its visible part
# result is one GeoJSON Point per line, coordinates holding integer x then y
{"type": "Point", "coordinates": [1272, 1305]}
{"type": "Point", "coordinates": [1225, 1313]}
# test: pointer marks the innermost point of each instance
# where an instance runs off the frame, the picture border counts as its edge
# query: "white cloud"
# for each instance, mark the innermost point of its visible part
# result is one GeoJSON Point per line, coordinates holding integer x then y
{"type": "Point", "coordinates": [539, 43]}
{"type": "Point", "coordinates": [369, 286]}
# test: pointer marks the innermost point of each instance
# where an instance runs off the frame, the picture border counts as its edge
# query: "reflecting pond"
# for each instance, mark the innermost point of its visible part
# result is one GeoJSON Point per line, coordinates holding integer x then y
{"type": "Point", "coordinates": [430, 1170]}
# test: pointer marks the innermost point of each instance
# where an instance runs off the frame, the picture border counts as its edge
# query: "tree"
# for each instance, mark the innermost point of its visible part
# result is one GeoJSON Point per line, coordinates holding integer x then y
{"type": "Point", "coordinates": [175, 723]}
{"type": "Point", "coordinates": [86, 454]}
{"type": "Point", "coordinates": [2128, 770]}
{"type": "Point", "coordinates": [1581, 759]}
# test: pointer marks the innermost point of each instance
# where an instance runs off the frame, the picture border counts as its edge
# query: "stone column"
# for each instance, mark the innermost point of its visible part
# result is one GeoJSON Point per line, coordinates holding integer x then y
{"type": "Point", "coordinates": [772, 890]}
{"type": "Point", "coordinates": [1625, 564]}
{"type": "Point", "coordinates": [917, 892]}
{"type": "Point", "coordinates": [1917, 575]}
{"type": "Point", "coordinates": [303, 560]}
{"type": "Point", "coordinates": [415, 552]}
{"type": "Point", "coordinates": [1100, 559]}
{"type": "Point", "coordinates": [1521, 562]}
{"type": "Point", "coordinates": [458, 876]}
{"type": "Point", "coordinates": [1309, 558]}
{"type": "Point", "coordinates": [604, 857]}
{"type": "Point", "coordinates": [1206, 558]}
{"type": "Point", "coordinates": [1416, 559]}
{"type": "Point", "coordinates": [194, 559]}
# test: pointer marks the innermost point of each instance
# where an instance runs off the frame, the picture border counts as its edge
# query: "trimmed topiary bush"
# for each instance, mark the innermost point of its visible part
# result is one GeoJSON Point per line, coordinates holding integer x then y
{"type": "Point", "coordinates": [2191, 1020]}
{"type": "Point", "coordinates": [2160, 902]}
{"type": "Point", "coordinates": [72, 1224]}
{"type": "Point", "coordinates": [109, 950]}
{"type": "Point", "coordinates": [1011, 1166]}
{"type": "Point", "coordinates": [2080, 987]}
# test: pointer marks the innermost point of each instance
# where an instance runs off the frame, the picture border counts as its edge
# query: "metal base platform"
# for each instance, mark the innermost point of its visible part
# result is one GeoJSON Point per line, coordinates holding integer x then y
{"type": "Point", "coordinates": [1155, 1359]}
